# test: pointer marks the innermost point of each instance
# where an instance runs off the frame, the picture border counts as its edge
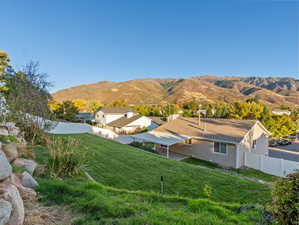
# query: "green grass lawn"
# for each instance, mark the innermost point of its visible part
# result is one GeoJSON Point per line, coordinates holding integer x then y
{"type": "Point", "coordinates": [200, 162]}
{"type": "Point", "coordinates": [97, 204]}
{"type": "Point", "coordinates": [126, 167]}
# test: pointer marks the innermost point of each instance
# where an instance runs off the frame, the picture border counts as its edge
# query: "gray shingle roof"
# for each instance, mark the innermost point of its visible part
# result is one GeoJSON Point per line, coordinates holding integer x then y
{"type": "Point", "coordinates": [228, 130]}
{"type": "Point", "coordinates": [123, 121]}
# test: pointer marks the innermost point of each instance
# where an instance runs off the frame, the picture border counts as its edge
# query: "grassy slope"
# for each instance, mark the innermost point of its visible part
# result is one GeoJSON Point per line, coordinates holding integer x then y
{"type": "Point", "coordinates": [99, 204]}
{"type": "Point", "coordinates": [126, 167]}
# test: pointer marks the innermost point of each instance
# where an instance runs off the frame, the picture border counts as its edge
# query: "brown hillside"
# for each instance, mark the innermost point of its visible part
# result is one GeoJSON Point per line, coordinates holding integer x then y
{"type": "Point", "coordinates": [272, 91]}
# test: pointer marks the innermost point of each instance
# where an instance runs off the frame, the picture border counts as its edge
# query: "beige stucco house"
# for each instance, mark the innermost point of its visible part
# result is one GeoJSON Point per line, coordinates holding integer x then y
{"type": "Point", "coordinates": [222, 141]}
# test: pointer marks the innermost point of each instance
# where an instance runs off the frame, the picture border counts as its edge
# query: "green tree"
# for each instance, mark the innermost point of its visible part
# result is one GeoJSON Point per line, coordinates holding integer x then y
{"type": "Point", "coordinates": [80, 104]}
{"type": "Point", "coordinates": [93, 106]}
{"type": "Point", "coordinates": [27, 98]}
{"type": "Point", "coordinates": [4, 62]}
{"type": "Point", "coordinates": [67, 111]}
{"type": "Point", "coordinates": [239, 110]}
{"type": "Point", "coordinates": [222, 110]}
{"type": "Point", "coordinates": [282, 126]}
{"type": "Point", "coordinates": [285, 204]}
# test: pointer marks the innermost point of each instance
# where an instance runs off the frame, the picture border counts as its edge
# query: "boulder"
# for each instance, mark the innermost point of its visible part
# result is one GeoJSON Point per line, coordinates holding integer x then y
{"type": "Point", "coordinates": [5, 167]}
{"type": "Point", "coordinates": [27, 164]}
{"type": "Point", "coordinates": [12, 129]}
{"type": "Point", "coordinates": [3, 131]}
{"type": "Point", "coordinates": [10, 151]}
{"type": "Point", "coordinates": [10, 193]}
{"type": "Point", "coordinates": [5, 211]}
{"type": "Point", "coordinates": [28, 181]}
{"type": "Point", "coordinates": [26, 193]}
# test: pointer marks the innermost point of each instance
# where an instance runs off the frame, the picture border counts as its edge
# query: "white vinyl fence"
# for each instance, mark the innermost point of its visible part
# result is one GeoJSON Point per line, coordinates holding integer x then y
{"type": "Point", "coordinates": [270, 165]}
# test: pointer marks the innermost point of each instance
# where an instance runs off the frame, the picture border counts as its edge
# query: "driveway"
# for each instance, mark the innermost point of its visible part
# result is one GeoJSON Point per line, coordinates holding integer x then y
{"type": "Point", "coordinates": [288, 152]}
{"type": "Point", "coordinates": [293, 147]}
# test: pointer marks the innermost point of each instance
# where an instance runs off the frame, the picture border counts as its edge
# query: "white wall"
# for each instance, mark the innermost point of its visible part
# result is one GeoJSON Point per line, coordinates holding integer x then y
{"type": "Point", "coordinates": [103, 119]}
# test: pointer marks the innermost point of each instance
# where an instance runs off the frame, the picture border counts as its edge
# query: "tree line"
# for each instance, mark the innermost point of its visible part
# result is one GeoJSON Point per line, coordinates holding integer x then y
{"type": "Point", "coordinates": [279, 125]}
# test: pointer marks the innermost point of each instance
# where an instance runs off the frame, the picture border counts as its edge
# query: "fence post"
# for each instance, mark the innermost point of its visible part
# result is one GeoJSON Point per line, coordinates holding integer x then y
{"type": "Point", "coordinates": [261, 162]}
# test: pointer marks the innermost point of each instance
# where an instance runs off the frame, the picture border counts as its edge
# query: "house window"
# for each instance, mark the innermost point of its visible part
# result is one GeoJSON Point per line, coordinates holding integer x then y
{"type": "Point", "coordinates": [188, 142]}
{"type": "Point", "coordinates": [220, 148]}
{"type": "Point", "coordinates": [254, 144]}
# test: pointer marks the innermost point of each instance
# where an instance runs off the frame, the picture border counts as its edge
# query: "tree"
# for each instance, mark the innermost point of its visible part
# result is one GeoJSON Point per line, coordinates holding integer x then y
{"type": "Point", "coordinates": [239, 110]}
{"type": "Point", "coordinates": [282, 126]}
{"type": "Point", "coordinates": [27, 98]}
{"type": "Point", "coordinates": [54, 105]}
{"type": "Point", "coordinates": [285, 204]}
{"type": "Point", "coordinates": [4, 60]}
{"type": "Point", "coordinates": [80, 104]}
{"type": "Point", "coordinates": [93, 106]}
{"type": "Point", "coordinates": [67, 111]}
{"type": "Point", "coordinates": [222, 110]}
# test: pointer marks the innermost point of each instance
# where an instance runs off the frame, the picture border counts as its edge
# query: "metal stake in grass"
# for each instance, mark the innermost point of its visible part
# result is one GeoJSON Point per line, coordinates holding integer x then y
{"type": "Point", "coordinates": [162, 185]}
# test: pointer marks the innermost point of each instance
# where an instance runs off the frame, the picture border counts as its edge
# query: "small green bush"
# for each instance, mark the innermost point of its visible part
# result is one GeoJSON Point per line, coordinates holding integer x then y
{"type": "Point", "coordinates": [285, 205]}
{"type": "Point", "coordinates": [8, 139]}
{"type": "Point", "coordinates": [207, 191]}
{"type": "Point", "coordinates": [66, 157]}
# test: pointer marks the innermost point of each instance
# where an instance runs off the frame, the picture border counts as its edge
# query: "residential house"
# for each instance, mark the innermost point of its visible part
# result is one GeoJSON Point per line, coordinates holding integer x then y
{"type": "Point", "coordinates": [129, 124]}
{"type": "Point", "coordinates": [106, 115]}
{"type": "Point", "coordinates": [222, 141]}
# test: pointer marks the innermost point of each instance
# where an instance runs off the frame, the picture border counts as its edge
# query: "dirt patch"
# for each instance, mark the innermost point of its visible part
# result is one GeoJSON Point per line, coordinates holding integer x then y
{"type": "Point", "coordinates": [38, 214]}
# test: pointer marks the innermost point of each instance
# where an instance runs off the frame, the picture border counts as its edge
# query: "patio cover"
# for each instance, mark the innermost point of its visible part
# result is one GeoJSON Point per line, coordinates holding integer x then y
{"type": "Point", "coordinates": [162, 138]}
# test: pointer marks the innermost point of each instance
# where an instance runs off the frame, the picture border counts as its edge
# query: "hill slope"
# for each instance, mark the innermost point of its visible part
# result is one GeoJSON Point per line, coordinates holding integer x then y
{"type": "Point", "coordinates": [129, 186]}
{"type": "Point", "coordinates": [272, 91]}
{"type": "Point", "coordinates": [126, 167]}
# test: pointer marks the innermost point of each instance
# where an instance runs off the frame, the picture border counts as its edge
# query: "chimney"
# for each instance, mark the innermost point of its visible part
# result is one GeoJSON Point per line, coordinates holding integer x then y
{"type": "Point", "coordinates": [129, 114]}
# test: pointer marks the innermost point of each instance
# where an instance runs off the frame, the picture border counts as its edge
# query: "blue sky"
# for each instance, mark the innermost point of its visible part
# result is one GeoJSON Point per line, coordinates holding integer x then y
{"type": "Point", "coordinates": [88, 41]}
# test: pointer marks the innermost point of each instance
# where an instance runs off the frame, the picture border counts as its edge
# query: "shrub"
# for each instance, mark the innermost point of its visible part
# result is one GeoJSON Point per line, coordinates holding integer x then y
{"type": "Point", "coordinates": [207, 191]}
{"type": "Point", "coordinates": [66, 157]}
{"type": "Point", "coordinates": [285, 205]}
{"type": "Point", "coordinates": [8, 139]}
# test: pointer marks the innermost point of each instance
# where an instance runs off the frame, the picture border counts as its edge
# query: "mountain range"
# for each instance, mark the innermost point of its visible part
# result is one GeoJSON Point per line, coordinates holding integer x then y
{"type": "Point", "coordinates": [271, 91]}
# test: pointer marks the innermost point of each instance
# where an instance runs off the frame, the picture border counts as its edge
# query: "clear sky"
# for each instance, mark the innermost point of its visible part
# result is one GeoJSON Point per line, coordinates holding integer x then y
{"type": "Point", "coordinates": [79, 41]}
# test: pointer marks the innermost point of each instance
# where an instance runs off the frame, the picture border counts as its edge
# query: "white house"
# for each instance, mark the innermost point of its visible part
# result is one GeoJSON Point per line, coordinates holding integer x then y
{"type": "Point", "coordinates": [129, 124]}
{"type": "Point", "coordinates": [106, 115]}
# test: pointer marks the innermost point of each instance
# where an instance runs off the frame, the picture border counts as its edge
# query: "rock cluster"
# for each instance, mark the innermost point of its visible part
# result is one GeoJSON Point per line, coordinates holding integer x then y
{"type": "Point", "coordinates": [10, 129]}
{"type": "Point", "coordinates": [14, 187]}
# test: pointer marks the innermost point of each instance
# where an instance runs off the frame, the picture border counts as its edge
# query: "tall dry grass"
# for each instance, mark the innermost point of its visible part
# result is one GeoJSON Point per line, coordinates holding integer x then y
{"type": "Point", "coordinates": [67, 157]}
